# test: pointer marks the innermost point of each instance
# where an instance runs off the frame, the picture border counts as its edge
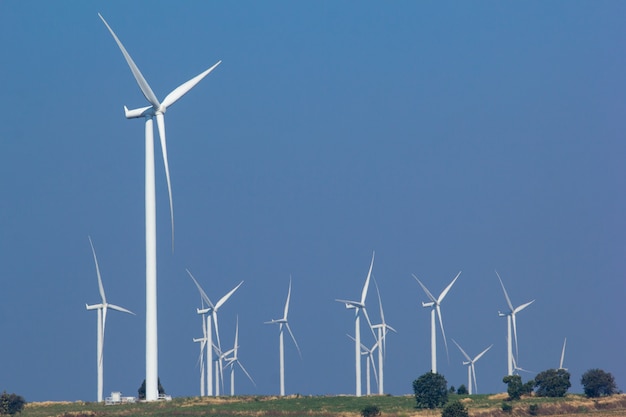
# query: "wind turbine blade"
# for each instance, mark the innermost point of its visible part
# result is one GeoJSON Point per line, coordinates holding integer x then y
{"type": "Point", "coordinates": [141, 81]}
{"type": "Point", "coordinates": [563, 354]}
{"type": "Point", "coordinates": [100, 286]}
{"type": "Point", "coordinates": [184, 88]}
{"type": "Point", "coordinates": [369, 323]}
{"type": "Point", "coordinates": [506, 295]}
{"type": "Point", "coordinates": [430, 296]}
{"type": "Point", "coordinates": [523, 306]}
{"type": "Point", "coordinates": [161, 126]}
{"type": "Point", "coordinates": [227, 296]}
{"type": "Point", "coordinates": [246, 372]}
{"type": "Point", "coordinates": [382, 319]}
{"type": "Point", "coordinates": [445, 342]}
{"type": "Point", "coordinates": [445, 292]}
{"type": "Point", "coordinates": [481, 354]}
{"type": "Point", "coordinates": [367, 281]}
{"type": "Point", "coordinates": [122, 309]}
{"type": "Point", "coordinates": [236, 345]}
{"type": "Point", "coordinates": [202, 293]}
{"type": "Point", "coordinates": [294, 339]}
{"type": "Point", "coordinates": [462, 351]}
{"type": "Point", "coordinates": [287, 302]}
{"type": "Point", "coordinates": [217, 331]}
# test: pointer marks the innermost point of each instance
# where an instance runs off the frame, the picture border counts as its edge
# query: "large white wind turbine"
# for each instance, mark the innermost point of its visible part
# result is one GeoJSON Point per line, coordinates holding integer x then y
{"type": "Point", "coordinates": [233, 360]}
{"type": "Point", "coordinates": [211, 312]}
{"type": "Point", "coordinates": [510, 318]}
{"type": "Point", "coordinates": [435, 305]}
{"type": "Point", "coordinates": [471, 371]}
{"type": "Point", "coordinates": [155, 110]}
{"type": "Point", "coordinates": [102, 318]}
{"type": "Point", "coordinates": [382, 329]}
{"type": "Point", "coordinates": [359, 307]}
{"type": "Point", "coordinates": [283, 323]}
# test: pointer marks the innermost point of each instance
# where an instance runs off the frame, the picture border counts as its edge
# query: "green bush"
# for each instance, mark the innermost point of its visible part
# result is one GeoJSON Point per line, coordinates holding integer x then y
{"type": "Point", "coordinates": [430, 390]}
{"type": "Point", "coordinates": [515, 388]}
{"type": "Point", "coordinates": [598, 383]}
{"type": "Point", "coordinates": [455, 409]}
{"type": "Point", "coordinates": [533, 409]}
{"type": "Point", "coordinates": [552, 383]}
{"type": "Point", "coordinates": [370, 411]}
{"type": "Point", "coordinates": [507, 408]}
{"type": "Point", "coordinates": [11, 403]}
{"type": "Point", "coordinates": [462, 390]}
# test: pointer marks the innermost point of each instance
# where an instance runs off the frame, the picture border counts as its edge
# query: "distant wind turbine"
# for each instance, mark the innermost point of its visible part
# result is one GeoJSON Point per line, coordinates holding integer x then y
{"type": "Point", "coordinates": [371, 363]}
{"type": "Point", "coordinates": [471, 371]}
{"type": "Point", "coordinates": [517, 369]}
{"type": "Point", "coordinates": [510, 316]}
{"type": "Point", "coordinates": [359, 307]}
{"type": "Point", "coordinates": [234, 360]}
{"type": "Point", "coordinates": [284, 324]}
{"type": "Point", "coordinates": [203, 342]}
{"type": "Point", "coordinates": [435, 305]}
{"type": "Point", "coordinates": [382, 329]}
{"type": "Point", "coordinates": [102, 318]}
{"type": "Point", "coordinates": [211, 312]}
{"type": "Point", "coordinates": [155, 110]}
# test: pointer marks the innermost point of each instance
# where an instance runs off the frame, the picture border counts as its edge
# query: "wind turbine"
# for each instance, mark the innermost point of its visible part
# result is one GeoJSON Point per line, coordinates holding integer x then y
{"type": "Point", "coordinates": [359, 307]}
{"type": "Point", "coordinates": [211, 312]}
{"type": "Point", "coordinates": [369, 352]}
{"type": "Point", "coordinates": [382, 330]}
{"type": "Point", "coordinates": [155, 110]}
{"type": "Point", "coordinates": [563, 355]}
{"type": "Point", "coordinates": [283, 323]}
{"type": "Point", "coordinates": [102, 318]}
{"type": "Point", "coordinates": [471, 371]}
{"type": "Point", "coordinates": [510, 318]}
{"type": "Point", "coordinates": [435, 305]}
{"type": "Point", "coordinates": [202, 341]}
{"type": "Point", "coordinates": [234, 359]}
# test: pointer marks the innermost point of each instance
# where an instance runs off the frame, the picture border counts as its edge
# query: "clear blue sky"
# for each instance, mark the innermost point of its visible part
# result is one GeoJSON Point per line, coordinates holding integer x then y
{"type": "Point", "coordinates": [445, 136]}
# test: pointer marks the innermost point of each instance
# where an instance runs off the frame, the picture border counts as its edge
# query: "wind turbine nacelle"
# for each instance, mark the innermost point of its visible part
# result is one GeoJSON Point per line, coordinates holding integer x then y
{"type": "Point", "coordinates": [203, 310]}
{"type": "Point", "coordinates": [93, 307]}
{"type": "Point", "coordinates": [137, 113]}
{"type": "Point", "coordinates": [428, 304]}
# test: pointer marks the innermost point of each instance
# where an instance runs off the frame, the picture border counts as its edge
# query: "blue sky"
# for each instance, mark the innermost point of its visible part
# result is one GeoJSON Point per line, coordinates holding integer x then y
{"type": "Point", "coordinates": [446, 136]}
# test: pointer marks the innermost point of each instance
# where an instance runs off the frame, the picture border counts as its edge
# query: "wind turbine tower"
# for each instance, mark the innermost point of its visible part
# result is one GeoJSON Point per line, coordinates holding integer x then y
{"type": "Point", "coordinates": [511, 322]}
{"type": "Point", "coordinates": [381, 338]}
{"type": "Point", "coordinates": [211, 315]}
{"type": "Point", "coordinates": [435, 305]}
{"type": "Point", "coordinates": [471, 371]}
{"type": "Point", "coordinates": [155, 110]}
{"type": "Point", "coordinates": [102, 318]}
{"type": "Point", "coordinates": [359, 307]}
{"type": "Point", "coordinates": [284, 324]}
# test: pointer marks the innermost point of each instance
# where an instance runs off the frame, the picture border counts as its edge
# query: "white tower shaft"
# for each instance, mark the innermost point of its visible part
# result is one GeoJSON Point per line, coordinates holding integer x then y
{"type": "Point", "coordinates": [433, 342]}
{"type": "Point", "coordinates": [357, 347]}
{"type": "Point", "coordinates": [152, 357]}
{"type": "Point", "coordinates": [282, 359]}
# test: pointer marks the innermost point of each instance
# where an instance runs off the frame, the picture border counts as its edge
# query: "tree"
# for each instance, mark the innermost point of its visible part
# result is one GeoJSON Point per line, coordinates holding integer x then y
{"type": "Point", "coordinates": [598, 383]}
{"type": "Point", "coordinates": [11, 403]}
{"type": "Point", "coordinates": [462, 390]}
{"type": "Point", "coordinates": [515, 388]}
{"type": "Point", "coordinates": [552, 383]}
{"type": "Point", "coordinates": [455, 409]}
{"type": "Point", "coordinates": [430, 390]}
{"type": "Point", "coordinates": [141, 392]}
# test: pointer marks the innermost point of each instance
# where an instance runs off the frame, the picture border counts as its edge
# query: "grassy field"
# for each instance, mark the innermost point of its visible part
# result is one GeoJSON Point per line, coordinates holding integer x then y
{"type": "Point", "coordinates": [326, 406]}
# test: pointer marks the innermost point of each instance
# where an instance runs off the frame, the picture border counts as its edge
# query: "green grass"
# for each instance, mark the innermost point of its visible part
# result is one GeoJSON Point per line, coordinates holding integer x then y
{"type": "Point", "coordinates": [325, 406]}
